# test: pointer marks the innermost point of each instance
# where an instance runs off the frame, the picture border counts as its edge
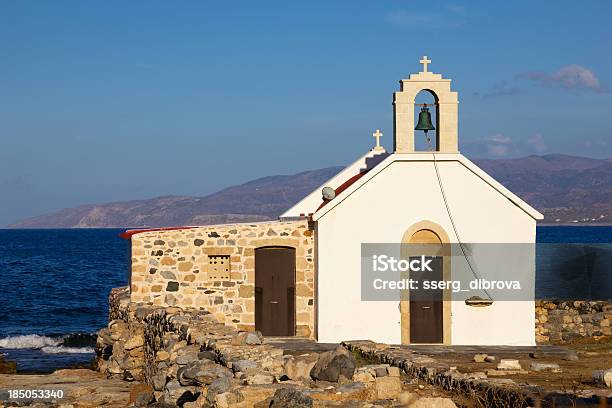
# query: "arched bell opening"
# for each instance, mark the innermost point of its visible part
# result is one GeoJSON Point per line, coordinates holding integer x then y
{"type": "Point", "coordinates": [426, 120]}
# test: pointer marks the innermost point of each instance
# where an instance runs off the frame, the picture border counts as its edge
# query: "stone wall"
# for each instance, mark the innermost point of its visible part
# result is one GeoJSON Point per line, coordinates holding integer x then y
{"type": "Point", "coordinates": [566, 321]}
{"type": "Point", "coordinates": [176, 268]}
{"type": "Point", "coordinates": [187, 359]}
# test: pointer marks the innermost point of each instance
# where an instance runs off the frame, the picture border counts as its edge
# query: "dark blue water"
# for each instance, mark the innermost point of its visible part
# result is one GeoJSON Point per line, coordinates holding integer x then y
{"type": "Point", "coordinates": [54, 286]}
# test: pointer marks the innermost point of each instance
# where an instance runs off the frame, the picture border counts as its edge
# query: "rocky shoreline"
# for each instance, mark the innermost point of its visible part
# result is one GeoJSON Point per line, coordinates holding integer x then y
{"type": "Point", "coordinates": [186, 358]}
{"type": "Point", "coordinates": [180, 357]}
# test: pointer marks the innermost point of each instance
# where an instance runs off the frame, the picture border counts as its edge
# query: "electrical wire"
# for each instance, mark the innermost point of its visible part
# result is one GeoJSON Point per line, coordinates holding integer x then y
{"type": "Point", "coordinates": [450, 215]}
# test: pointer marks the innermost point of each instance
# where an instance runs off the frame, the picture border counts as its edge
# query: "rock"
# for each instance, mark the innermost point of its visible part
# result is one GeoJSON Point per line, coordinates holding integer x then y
{"type": "Point", "coordinates": [202, 372]}
{"type": "Point", "coordinates": [159, 381]}
{"type": "Point", "coordinates": [545, 367]}
{"type": "Point", "coordinates": [243, 365]}
{"type": "Point", "coordinates": [407, 398]}
{"type": "Point", "coordinates": [332, 365]}
{"type": "Point", "coordinates": [299, 367]}
{"type": "Point", "coordinates": [480, 358]}
{"type": "Point", "coordinates": [207, 355]}
{"type": "Point", "coordinates": [247, 338]}
{"type": "Point", "coordinates": [187, 355]}
{"type": "Point", "coordinates": [433, 403]}
{"type": "Point", "coordinates": [254, 395]}
{"type": "Point", "coordinates": [381, 371]}
{"type": "Point", "coordinates": [218, 386]}
{"type": "Point", "coordinates": [570, 356]}
{"type": "Point", "coordinates": [363, 376]}
{"type": "Point", "coordinates": [225, 400]}
{"type": "Point", "coordinates": [260, 378]}
{"type": "Point", "coordinates": [388, 387]}
{"type": "Point", "coordinates": [134, 342]}
{"type": "Point", "coordinates": [162, 355]}
{"type": "Point", "coordinates": [175, 393]}
{"type": "Point", "coordinates": [290, 398]}
{"type": "Point", "coordinates": [393, 371]}
{"type": "Point", "coordinates": [490, 359]}
{"type": "Point", "coordinates": [479, 375]}
{"type": "Point", "coordinates": [141, 395]}
{"type": "Point", "coordinates": [603, 377]}
{"type": "Point", "coordinates": [508, 364]}
{"type": "Point", "coordinates": [357, 391]}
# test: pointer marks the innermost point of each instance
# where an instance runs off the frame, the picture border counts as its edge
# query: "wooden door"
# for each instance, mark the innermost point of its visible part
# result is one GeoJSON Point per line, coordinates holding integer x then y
{"type": "Point", "coordinates": [275, 291]}
{"type": "Point", "coordinates": [426, 320]}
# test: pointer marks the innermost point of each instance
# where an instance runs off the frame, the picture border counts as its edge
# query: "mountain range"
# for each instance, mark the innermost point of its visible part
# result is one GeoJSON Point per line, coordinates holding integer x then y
{"type": "Point", "coordinates": [567, 189]}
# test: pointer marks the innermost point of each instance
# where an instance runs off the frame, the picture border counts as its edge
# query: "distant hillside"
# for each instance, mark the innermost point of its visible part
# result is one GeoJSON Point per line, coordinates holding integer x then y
{"type": "Point", "coordinates": [564, 188]}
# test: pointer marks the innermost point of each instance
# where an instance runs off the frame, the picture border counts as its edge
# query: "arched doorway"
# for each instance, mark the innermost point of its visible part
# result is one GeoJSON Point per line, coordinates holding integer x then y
{"type": "Point", "coordinates": [275, 291]}
{"type": "Point", "coordinates": [425, 315]}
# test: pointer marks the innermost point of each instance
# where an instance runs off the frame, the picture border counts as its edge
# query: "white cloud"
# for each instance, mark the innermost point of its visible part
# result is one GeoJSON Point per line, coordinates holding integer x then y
{"type": "Point", "coordinates": [498, 145]}
{"type": "Point", "coordinates": [569, 77]}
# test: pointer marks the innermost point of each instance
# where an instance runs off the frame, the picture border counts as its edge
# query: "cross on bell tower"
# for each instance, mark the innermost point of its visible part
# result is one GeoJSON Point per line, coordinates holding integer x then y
{"type": "Point", "coordinates": [425, 62]}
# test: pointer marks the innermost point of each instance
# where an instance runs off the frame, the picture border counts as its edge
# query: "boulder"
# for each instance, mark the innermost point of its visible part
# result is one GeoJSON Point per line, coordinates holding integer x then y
{"type": "Point", "coordinates": [299, 367]}
{"type": "Point", "coordinates": [259, 378]}
{"type": "Point", "coordinates": [162, 355]}
{"type": "Point", "coordinates": [545, 367]}
{"type": "Point", "coordinates": [480, 358]}
{"type": "Point", "coordinates": [333, 366]}
{"type": "Point", "coordinates": [244, 338]}
{"type": "Point", "coordinates": [219, 386]}
{"type": "Point", "coordinates": [406, 398]}
{"type": "Point", "coordinates": [570, 356]}
{"type": "Point", "coordinates": [393, 371]}
{"type": "Point", "coordinates": [226, 400]}
{"type": "Point", "coordinates": [202, 372]}
{"type": "Point", "coordinates": [388, 387]}
{"type": "Point", "coordinates": [603, 377]}
{"type": "Point", "coordinates": [433, 403]}
{"type": "Point", "coordinates": [186, 355]}
{"type": "Point", "coordinates": [207, 355]}
{"type": "Point", "coordinates": [175, 393]}
{"type": "Point", "coordinates": [508, 364]}
{"type": "Point", "coordinates": [363, 376]}
{"type": "Point", "coordinates": [133, 342]}
{"type": "Point", "coordinates": [243, 365]}
{"type": "Point", "coordinates": [141, 395]}
{"type": "Point", "coordinates": [490, 359]}
{"type": "Point", "coordinates": [290, 398]}
{"type": "Point", "coordinates": [159, 381]}
{"type": "Point", "coordinates": [357, 391]}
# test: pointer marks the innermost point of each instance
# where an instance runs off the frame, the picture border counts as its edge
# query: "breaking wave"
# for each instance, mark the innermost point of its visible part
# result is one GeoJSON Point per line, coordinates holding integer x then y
{"type": "Point", "coordinates": [29, 341]}
{"type": "Point", "coordinates": [67, 350]}
{"type": "Point", "coordinates": [75, 343]}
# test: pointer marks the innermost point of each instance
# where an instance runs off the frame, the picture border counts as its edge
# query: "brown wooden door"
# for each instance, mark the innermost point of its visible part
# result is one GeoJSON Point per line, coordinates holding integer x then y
{"type": "Point", "coordinates": [426, 323]}
{"type": "Point", "coordinates": [275, 291]}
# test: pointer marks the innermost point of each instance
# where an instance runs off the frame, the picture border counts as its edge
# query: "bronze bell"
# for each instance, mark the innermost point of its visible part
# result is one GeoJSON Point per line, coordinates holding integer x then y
{"type": "Point", "coordinates": [424, 121]}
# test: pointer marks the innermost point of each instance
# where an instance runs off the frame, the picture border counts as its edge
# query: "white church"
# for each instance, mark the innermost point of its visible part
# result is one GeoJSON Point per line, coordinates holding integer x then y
{"type": "Point", "coordinates": [435, 197]}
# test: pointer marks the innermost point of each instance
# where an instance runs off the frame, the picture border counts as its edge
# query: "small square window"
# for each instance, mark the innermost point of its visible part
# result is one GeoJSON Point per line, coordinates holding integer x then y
{"type": "Point", "coordinates": [219, 267]}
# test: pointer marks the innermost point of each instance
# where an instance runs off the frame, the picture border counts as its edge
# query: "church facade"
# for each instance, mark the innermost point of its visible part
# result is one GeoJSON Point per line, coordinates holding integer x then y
{"type": "Point", "coordinates": [302, 275]}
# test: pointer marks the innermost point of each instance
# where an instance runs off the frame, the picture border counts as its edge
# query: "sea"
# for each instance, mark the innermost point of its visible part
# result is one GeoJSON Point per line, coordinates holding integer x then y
{"type": "Point", "coordinates": [54, 286]}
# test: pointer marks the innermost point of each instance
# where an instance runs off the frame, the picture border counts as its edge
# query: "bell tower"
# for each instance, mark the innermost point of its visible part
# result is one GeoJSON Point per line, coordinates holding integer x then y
{"type": "Point", "coordinates": [446, 103]}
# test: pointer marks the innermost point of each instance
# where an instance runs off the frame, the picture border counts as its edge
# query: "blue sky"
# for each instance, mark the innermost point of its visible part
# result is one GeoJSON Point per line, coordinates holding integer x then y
{"type": "Point", "coordinates": [112, 100]}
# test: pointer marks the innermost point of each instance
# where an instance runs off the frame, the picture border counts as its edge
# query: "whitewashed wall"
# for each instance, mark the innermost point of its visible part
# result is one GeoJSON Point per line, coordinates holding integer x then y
{"type": "Point", "coordinates": [405, 192]}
